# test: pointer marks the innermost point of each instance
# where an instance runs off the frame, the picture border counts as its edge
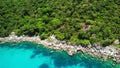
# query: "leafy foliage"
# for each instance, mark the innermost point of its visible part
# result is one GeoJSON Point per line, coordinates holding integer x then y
{"type": "Point", "coordinates": [78, 21]}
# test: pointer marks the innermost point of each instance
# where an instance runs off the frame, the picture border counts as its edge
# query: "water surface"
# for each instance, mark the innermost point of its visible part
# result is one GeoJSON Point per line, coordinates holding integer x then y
{"type": "Point", "coordinates": [31, 55]}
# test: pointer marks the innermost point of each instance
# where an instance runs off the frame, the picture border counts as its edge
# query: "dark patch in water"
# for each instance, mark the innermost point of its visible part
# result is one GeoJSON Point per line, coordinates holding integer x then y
{"type": "Point", "coordinates": [46, 51]}
{"type": "Point", "coordinates": [63, 59]}
{"type": "Point", "coordinates": [8, 44]}
{"type": "Point", "coordinates": [43, 66]}
{"type": "Point", "coordinates": [26, 45]}
{"type": "Point", "coordinates": [35, 53]}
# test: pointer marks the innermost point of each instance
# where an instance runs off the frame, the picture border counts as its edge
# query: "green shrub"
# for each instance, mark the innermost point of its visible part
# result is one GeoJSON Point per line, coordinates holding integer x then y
{"type": "Point", "coordinates": [106, 42]}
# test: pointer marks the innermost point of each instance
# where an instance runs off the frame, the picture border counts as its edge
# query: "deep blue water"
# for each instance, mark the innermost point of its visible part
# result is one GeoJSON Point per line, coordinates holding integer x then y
{"type": "Point", "coordinates": [31, 55]}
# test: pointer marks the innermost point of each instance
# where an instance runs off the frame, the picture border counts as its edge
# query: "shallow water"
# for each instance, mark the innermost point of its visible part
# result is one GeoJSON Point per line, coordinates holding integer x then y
{"type": "Point", "coordinates": [31, 55]}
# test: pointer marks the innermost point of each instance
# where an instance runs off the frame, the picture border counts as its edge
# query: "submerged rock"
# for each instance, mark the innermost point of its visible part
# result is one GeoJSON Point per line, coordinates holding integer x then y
{"type": "Point", "coordinates": [44, 66]}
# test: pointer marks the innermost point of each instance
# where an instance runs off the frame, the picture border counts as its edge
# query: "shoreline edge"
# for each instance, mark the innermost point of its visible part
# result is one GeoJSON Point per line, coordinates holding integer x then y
{"type": "Point", "coordinates": [93, 50]}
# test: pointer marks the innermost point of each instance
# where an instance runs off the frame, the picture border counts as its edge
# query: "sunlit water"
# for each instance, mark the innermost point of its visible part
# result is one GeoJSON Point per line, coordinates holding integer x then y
{"type": "Point", "coordinates": [31, 55]}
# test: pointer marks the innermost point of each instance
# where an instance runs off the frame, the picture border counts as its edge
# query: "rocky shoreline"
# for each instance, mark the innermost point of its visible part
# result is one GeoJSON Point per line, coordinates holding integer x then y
{"type": "Point", "coordinates": [94, 50]}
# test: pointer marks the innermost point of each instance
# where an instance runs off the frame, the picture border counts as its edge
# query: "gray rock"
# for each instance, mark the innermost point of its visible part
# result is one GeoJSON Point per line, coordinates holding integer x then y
{"type": "Point", "coordinates": [116, 41]}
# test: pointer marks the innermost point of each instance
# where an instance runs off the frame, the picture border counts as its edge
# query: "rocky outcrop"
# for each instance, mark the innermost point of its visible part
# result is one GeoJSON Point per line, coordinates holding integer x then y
{"type": "Point", "coordinates": [52, 42]}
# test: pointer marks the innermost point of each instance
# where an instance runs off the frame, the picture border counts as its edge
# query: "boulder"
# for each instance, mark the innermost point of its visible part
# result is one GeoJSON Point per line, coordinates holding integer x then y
{"type": "Point", "coordinates": [116, 41]}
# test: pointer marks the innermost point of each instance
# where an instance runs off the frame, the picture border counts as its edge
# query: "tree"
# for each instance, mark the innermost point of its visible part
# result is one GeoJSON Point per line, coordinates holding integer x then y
{"type": "Point", "coordinates": [55, 22]}
{"type": "Point", "coordinates": [59, 35]}
{"type": "Point", "coordinates": [74, 40]}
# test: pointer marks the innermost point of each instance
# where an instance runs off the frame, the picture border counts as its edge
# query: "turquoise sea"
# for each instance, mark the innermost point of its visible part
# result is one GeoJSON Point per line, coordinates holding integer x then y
{"type": "Point", "coordinates": [31, 55]}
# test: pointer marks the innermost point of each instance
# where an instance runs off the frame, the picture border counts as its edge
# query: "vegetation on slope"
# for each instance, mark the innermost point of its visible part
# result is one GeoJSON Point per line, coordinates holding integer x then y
{"type": "Point", "coordinates": [78, 21]}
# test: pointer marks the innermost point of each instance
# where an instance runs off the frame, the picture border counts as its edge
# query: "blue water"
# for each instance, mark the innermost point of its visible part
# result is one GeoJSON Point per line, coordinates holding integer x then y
{"type": "Point", "coordinates": [31, 55]}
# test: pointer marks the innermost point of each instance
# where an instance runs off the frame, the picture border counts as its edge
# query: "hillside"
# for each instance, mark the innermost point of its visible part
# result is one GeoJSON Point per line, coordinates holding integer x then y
{"type": "Point", "coordinates": [76, 21]}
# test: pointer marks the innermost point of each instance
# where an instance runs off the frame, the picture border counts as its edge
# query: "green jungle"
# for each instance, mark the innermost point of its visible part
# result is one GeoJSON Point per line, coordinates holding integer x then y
{"type": "Point", "coordinates": [77, 21]}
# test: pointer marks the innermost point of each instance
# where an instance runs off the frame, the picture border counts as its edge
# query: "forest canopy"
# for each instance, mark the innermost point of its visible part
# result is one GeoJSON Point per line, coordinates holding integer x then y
{"type": "Point", "coordinates": [76, 21]}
